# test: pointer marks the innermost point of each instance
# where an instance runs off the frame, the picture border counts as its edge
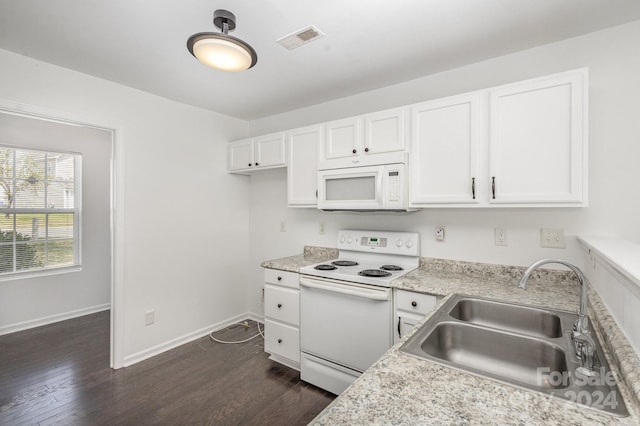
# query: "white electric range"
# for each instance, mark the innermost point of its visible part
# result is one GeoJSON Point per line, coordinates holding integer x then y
{"type": "Point", "coordinates": [346, 305]}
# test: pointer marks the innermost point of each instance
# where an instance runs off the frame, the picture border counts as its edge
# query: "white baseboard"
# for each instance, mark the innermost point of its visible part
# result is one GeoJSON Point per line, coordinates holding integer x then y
{"type": "Point", "coordinates": [189, 337]}
{"type": "Point", "coordinates": [25, 325]}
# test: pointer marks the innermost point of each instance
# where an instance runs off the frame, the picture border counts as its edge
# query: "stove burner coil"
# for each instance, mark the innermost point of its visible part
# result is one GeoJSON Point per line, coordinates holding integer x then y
{"type": "Point", "coordinates": [325, 267]}
{"type": "Point", "coordinates": [374, 273]}
{"type": "Point", "coordinates": [391, 268]}
{"type": "Point", "coordinates": [344, 263]}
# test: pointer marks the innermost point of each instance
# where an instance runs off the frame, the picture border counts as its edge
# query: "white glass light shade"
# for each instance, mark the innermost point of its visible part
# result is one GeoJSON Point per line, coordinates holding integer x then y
{"type": "Point", "coordinates": [222, 51]}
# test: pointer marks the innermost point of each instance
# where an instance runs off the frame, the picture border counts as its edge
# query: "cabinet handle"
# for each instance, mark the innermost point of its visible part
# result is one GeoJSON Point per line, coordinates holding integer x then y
{"type": "Point", "coordinates": [316, 194]}
{"type": "Point", "coordinates": [279, 305]}
{"type": "Point", "coordinates": [249, 164]}
{"type": "Point", "coordinates": [279, 340]}
{"type": "Point", "coordinates": [414, 303]}
{"type": "Point", "coordinates": [473, 188]}
{"type": "Point", "coordinates": [256, 164]}
{"type": "Point", "coordinates": [366, 150]}
{"type": "Point", "coordinates": [493, 187]}
{"type": "Point", "coordinates": [399, 332]}
{"type": "Point", "coordinates": [354, 151]}
{"type": "Point", "coordinates": [279, 278]}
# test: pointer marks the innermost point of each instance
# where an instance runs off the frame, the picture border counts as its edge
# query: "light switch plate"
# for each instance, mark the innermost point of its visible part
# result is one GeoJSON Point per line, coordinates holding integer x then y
{"type": "Point", "coordinates": [552, 238]}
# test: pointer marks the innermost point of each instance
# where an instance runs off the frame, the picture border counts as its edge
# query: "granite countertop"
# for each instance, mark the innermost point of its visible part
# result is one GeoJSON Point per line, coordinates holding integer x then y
{"type": "Point", "coordinates": [401, 389]}
{"type": "Point", "coordinates": [310, 256]}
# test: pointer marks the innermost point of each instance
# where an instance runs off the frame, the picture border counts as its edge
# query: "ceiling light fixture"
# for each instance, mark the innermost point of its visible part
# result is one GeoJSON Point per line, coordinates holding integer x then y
{"type": "Point", "coordinates": [220, 50]}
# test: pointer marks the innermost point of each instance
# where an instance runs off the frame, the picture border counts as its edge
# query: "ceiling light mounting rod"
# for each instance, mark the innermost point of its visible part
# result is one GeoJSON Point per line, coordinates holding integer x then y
{"type": "Point", "coordinates": [224, 20]}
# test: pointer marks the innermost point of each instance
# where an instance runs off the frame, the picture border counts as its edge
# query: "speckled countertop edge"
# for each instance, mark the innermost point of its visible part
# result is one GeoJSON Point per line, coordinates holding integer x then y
{"type": "Point", "coordinates": [310, 256]}
{"type": "Point", "coordinates": [370, 399]}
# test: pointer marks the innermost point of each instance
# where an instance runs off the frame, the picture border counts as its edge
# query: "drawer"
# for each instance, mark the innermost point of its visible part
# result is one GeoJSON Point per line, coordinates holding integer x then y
{"type": "Point", "coordinates": [283, 278]}
{"type": "Point", "coordinates": [281, 304]}
{"type": "Point", "coordinates": [282, 340]}
{"type": "Point", "coordinates": [410, 301]}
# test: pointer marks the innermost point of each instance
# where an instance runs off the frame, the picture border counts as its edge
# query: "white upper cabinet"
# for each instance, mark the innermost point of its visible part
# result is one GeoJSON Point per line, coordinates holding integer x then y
{"type": "Point", "coordinates": [384, 131]}
{"type": "Point", "coordinates": [264, 152]}
{"type": "Point", "coordinates": [538, 141]}
{"type": "Point", "coordinates": [444, 151]}
{"type": "Point", "coordinates": [302, 182]}
{"type": "Point", "coordinates": [343, 139]}
{"type": "Point", "coordinates": [240, 154]}
{"type": "Point", "coordinates": [377, 138]}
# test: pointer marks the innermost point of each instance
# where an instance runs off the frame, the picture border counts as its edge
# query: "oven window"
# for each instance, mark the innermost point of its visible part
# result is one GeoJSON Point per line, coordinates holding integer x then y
{"type": "Point", "coordinates": [351, 188]}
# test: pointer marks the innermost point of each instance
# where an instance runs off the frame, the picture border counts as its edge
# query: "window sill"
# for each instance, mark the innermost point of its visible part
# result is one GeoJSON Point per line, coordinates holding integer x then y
{"type": "Point", "coordinates": [40, 273]}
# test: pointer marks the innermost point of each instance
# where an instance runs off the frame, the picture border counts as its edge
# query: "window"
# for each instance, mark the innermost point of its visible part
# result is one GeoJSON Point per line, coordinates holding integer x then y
{"type": "Point", "coordinates": [39, 210]}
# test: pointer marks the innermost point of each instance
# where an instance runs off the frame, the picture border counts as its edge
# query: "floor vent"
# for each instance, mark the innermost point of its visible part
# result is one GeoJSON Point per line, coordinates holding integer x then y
{"type": "Point", "coordinates": [300, 37]}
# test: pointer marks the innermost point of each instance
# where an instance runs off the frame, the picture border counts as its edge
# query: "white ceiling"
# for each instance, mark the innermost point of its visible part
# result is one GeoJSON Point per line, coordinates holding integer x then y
{"type": "Point", "coordinates": [368, 43]}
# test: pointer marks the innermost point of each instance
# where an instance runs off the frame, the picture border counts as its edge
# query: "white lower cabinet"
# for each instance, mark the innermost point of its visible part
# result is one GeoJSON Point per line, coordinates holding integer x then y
{"type": "Point", "coordinates": [282, 317]}
{"type": "Point", "coordinates": [410, 308]}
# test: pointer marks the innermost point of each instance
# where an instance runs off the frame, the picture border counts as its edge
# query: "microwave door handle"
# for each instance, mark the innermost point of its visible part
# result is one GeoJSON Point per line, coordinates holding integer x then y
{"type": "Point", "coordinates": [381, 200]}
{"type": "Point", "coordinates": [344, 289]}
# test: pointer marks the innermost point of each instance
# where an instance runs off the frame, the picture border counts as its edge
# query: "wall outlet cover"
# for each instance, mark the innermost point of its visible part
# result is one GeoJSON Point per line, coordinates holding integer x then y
{"type": "Point", "coordinates": [552, 238]}
{"type": "Point", "coordinates": [500, 236]}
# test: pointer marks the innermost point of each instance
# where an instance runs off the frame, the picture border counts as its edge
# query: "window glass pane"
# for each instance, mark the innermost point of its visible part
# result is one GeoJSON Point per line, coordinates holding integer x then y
{"type": "Point", "coordinates": [29, 256]}
{"type": "Point", "coordinates": [61, 225]}
{"type": "Point", "coordinates": [29, 183]}
{"type": "Point", "coordinates": [60, 253]}
{"type": "Point", "coordinates": [60, 195]}
{"type": "Point", "coordinates": [31, 226]}
{"type": "Point", "coordinates": [6, 224]}
{"type": "Point", "coordinates": [6, 253]}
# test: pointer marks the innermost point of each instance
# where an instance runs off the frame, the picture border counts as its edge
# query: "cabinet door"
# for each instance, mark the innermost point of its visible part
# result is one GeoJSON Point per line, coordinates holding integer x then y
{"type": "Point", "coordinates": [405, 322]}
{"type": "Point", "coordinates": [538, 141]}
{"type": "Point", "coordinates": [270, 150]}
{"type": "Point", "coordinates": [445, 151]}
{"type": "Point", "coordinates": [241, 154]}
{"type": "Point", "coordinates": [342, 139]}
{"type": "Point", "coordinates": [384, 131]}
{"type": "Point", "coordinates": [302, 169]}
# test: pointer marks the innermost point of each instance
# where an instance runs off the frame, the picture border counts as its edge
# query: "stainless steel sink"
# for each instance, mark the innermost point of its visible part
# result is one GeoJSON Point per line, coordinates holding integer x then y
{"type": "Point", "coordinates": [515, 344]}
{"type": "Point", "coordinates": [505, 316]}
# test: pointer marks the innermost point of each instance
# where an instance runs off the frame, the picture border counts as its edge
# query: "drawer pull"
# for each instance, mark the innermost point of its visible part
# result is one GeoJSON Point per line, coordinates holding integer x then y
{"type": "Point", "coordinates": [279, 278]}
{"type": "Point", "coordinates": [279, 305]}
{"type": "Point", "coordinates": [414, 303]}
{"type": "Point", "coordinates": [279, 340]}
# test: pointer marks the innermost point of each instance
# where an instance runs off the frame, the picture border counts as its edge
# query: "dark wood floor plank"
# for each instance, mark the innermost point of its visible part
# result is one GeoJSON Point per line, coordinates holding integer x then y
{"type": "Point", "coordinates": [59, 375]}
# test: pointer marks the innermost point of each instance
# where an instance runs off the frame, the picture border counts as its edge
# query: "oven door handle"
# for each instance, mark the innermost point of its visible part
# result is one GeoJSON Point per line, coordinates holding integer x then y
{"type": "Point", "coordinates": [345, 289]}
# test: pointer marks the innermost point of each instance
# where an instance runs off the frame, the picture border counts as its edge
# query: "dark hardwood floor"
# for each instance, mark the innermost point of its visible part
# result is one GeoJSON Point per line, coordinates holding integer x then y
{"type": "Point", "coordinates": [59, 374]}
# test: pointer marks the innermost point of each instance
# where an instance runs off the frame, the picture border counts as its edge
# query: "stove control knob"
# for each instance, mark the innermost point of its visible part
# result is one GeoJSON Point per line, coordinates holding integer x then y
{"type": "Point", "coordinates": [349, 240]}
{"type": "Point", "coordinates": [342, 239]}
{"type": "Point", "coordinates": [399, 243]}
{"type": "Point", "coordinates": [409, 244]}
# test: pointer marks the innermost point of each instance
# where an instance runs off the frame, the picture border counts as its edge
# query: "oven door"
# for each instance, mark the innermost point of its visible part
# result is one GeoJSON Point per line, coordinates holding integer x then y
{"type": "Point", "coordinates": [344, 323]}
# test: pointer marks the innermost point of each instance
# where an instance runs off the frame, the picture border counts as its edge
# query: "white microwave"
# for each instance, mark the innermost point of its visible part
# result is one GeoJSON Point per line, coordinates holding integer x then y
{"type": "Point", "coordinates": [382, 187]}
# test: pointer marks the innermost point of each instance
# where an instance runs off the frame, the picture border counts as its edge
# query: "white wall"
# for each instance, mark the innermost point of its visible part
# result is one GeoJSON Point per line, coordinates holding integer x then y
{"type": "Point", "coordinates": [614, 66]}
{"type": "Point", "coordinates": [34, 301]}
{"type": "Point", "coordinates": [177, 203]}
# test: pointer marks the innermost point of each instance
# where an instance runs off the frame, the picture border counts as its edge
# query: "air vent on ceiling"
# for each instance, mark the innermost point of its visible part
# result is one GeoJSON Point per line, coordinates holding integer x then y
{"type": "Point", "coordinates": [300, 37]}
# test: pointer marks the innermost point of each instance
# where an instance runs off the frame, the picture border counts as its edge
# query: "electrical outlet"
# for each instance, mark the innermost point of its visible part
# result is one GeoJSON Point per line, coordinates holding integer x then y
{"type": "Point", "coordinates": [552, 238]}
{"type": "Point", "coordinates": [500, 236]}
{"type": "Point", "coordinates": [439, 233]}
{"type": "Point", "coordinates": [149, 317]}
{"type": "Point", "coordinates": [322, 228]}
{"type": "Point", "coordinates": [283, 226]}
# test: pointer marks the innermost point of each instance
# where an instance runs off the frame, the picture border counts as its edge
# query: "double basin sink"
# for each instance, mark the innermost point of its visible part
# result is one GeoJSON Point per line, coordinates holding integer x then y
{"type": "Point", "coordinates": [520, 345]}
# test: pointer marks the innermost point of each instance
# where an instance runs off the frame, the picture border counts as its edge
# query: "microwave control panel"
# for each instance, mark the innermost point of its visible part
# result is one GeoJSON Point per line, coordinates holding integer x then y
{"type": "Point", "coordinates": [393, 185]}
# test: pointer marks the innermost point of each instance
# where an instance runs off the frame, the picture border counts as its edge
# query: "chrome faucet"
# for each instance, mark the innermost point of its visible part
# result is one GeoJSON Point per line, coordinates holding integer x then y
{"type": "Point", "coordinates": [584, 345]}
